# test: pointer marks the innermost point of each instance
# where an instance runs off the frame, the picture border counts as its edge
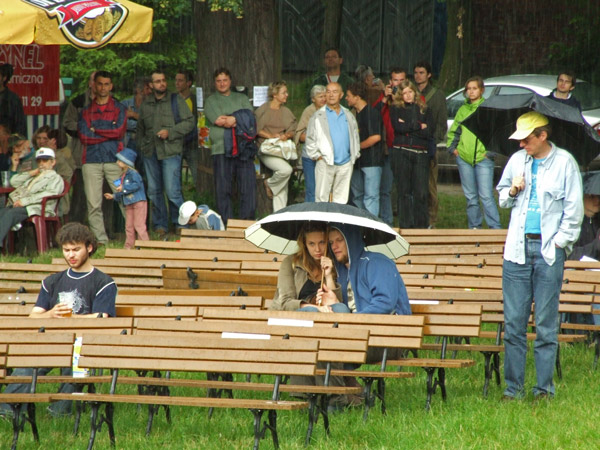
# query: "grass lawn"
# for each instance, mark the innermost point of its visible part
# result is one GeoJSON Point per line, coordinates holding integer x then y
{"type": "Point", "coordinates": [465, 421]}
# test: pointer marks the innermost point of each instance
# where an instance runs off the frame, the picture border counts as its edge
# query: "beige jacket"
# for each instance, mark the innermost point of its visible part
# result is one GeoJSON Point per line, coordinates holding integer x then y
{"type": "Point", "coordinates": [289, 284]}
{"type": "Point", "coordinates": [31, 190]}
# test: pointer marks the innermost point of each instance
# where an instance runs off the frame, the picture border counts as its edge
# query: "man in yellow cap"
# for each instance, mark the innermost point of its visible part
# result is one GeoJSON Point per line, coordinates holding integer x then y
{"type": "Point", "coordinates": [542, 185]}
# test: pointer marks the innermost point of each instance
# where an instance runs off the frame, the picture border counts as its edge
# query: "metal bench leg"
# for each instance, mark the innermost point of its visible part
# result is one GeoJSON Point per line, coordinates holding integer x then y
{"type": "Point", "coordinates": [317, 404]}
{"type": "Point", "coordinates": [369, 396]}
{"type": "Point", "coordinates": [487, 371]}
{"type": "Point", "coordinates": [596, 350]}
{"type": "Point", "coordinates": [381, 394]}
{"type": "Point", "coordinates": [430, 386]}
{"type": "Point", "coordinates": [93, 424]}
{"type": "Point", "coordinates": [441, 381]}
{"type": "Point", "coordinates": [260, 428]}
{"type": "Point", "coordinates": [496, 367]}
{"type": "Point", "coordinates": [108, 410]}
{"type": "Point", "coordinates": [18, 423]}
{"type": "Point", "coordinates": [558, 366]}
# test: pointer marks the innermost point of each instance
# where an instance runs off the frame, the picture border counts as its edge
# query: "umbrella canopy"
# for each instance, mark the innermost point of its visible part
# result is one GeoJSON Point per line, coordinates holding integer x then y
{"type": "Point", "coordinates": [82, 23]}
{"type": "Point", "coordinates": [495, 120]}
{"type": "Point", "coordinates": [279, 231]}
{"type": "Point", "coordinates": [591, 183]}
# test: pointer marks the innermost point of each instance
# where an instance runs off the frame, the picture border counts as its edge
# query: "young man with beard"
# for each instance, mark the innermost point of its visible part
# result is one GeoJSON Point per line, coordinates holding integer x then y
{"type": "Point", "coordinates": [92, 291]}
{"type": "Point", "coordinates": [81, 289]}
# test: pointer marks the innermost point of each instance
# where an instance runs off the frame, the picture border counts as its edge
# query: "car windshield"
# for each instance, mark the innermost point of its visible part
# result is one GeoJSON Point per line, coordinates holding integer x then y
{"type": "Point", "coordinates": [588, 95]}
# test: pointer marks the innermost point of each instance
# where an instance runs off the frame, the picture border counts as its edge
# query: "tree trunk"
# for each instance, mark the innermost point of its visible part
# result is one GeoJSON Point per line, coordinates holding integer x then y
{"type": "Point", "coordinates": [333, 24]}
{"type": "Point", "coordinates": [457, 65]}
{"type": "Point", "coordinates": [249, 47]}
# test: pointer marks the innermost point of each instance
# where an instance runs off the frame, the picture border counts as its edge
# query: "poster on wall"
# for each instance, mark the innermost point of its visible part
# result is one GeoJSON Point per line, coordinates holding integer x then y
{"type": "Point", "coordinates": [36, 76]}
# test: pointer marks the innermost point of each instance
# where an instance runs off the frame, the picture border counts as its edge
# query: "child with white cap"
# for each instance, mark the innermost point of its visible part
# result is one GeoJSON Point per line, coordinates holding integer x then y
{"type": "Point", "coordinates": [130, 192]}
{"type": "Point", "coordinates": [200, 217]}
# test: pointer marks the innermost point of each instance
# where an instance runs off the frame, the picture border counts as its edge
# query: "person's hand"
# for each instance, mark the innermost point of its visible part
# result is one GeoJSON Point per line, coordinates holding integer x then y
{"type": "Point", "coordinates": [119, 188]}
{"type": "Point", "coordinates": [14, 160]}
{"type": "Point", "coordinates": [131, 114]}
{"type": "Point", "coordinates": [60, 310]}
{"type": "Point", "coordinates": [455, 152]}
{"type": "Point", "coordinates": [18, 204]}
{"type": "Point", "coordinates": [325, 296]}
{"type": "Point", "coordinates": [220, 122]}
{"type": "Point", "coordinates": [230, 122]}
{"type": "Point", "coordinates": [283, 137]}
{"type": "Point", "coordinates": [34, 172]}
{"type": "Point", "coordinates": [326, 265]}
{"type": "Point", "coordinates": [423, 126]}
{"type": "Point", "coordinates": [389, 90]}
{"type": "Point", "coordinates": [400, 120]}
{"type": "Point", "coordinates": [518, 184]}
{"type": "Point", "coordinates": [108, 196]}
{"type": "Point", "coordinates": [163, 134]}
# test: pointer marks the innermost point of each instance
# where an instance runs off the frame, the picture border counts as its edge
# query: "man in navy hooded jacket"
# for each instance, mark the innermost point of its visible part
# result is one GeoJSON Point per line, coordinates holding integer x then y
{"type": "Point", "coordinates": [370, 281]}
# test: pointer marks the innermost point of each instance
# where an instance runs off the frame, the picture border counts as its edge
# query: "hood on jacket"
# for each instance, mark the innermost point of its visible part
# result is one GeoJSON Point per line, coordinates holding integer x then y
{"type": "Point", "coordinates": [356, 247]}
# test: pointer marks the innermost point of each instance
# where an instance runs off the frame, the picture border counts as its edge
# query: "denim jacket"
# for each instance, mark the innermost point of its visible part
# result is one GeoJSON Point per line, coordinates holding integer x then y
{"type": "Point", "coordinates": [133, 189]}
{"type": "Point", "coordinates": [560, 195]}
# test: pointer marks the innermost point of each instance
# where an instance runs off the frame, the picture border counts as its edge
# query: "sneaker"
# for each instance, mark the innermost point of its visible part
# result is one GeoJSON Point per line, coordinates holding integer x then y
{"type": "Point", "coordinates": [17, 227]}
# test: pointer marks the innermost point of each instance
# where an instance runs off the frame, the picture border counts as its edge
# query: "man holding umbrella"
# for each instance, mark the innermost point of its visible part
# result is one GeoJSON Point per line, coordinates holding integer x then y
{"type": "Point", "coordinates": [370, 281]}
{"type": "Point", "coordinates": [542, 185]}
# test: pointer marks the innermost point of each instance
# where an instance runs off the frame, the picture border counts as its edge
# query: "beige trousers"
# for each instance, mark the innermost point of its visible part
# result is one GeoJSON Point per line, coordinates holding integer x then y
{"type": "Point", "coordinates": [282, 171]}
{"type": "Point", "coordinates": [334, 180]}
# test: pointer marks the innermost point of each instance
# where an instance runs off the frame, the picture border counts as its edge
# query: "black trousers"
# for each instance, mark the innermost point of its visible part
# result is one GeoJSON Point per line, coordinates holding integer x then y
{"type": "Point", "coordinates": [411, 172]}
{"type": "Point", "coordinates": [225, 170]}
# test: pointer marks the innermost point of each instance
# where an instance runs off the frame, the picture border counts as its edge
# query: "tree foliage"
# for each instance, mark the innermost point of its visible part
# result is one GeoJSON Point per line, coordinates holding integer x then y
{"type": "Point", "coordinates": [173, 47]}
{"type": "Point", "coordinates": [235, 6]}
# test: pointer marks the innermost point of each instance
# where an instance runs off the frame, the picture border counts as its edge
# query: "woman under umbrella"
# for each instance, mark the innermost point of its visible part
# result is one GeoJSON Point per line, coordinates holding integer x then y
{"type": "Point", "coordinates": [301, 274]}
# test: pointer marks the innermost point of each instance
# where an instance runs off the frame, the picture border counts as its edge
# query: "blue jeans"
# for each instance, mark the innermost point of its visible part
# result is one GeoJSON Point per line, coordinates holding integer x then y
{"type": "Point", "coordinates": [336, 307]}
{"type": "Point", "coordinates": [365, 185]}
{"type": "Point", "coordinates": [164, 177]}
{"type": "Point", "coordinates": [521, 283]}
{"type": "Point", "coordinates": [477, 184]}
{"type": "Point", "coordinates": [385, 191]}
{"type": "Point", "coordinates": [308, 167]}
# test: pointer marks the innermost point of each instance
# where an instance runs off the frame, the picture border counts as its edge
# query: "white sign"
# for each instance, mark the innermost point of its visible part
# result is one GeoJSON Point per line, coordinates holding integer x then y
{"type": "Point", "coordinates": [290, 322]}
{"type": "Point", "coordinates": [199, 98]}
{"type": "Point", "coordinates": [260, 95]}
{"type": "Point", "coordinates": [230, 335]}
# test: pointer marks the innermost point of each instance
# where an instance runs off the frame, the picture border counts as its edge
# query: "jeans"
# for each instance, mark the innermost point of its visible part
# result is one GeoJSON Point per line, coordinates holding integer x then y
{"type": "Point", "coordinates": [477, 184]}
{"type": "Point", "coordinates": [385, 191]}
{"type": "Point", "coordinates": [411, 171]}
{"type": "Point", "coordinates": [336, 307]}
{"type": "Point", "coordinates": [365, 186]}
{"type": "Point", "coordinates": [308, 167]}
{"type": "Point", "coordinates": [522, 283]}
{"type": "Point", "coordinates": [164, 177]}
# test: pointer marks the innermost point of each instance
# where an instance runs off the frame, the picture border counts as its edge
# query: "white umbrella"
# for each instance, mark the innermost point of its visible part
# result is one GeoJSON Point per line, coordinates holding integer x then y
{"type": "Point", "coordinates": [279, 231]}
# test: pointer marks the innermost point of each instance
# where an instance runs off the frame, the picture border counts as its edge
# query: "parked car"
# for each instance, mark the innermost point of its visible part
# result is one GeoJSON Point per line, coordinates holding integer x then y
{"type": "Point", "coordinates": [587, 94]}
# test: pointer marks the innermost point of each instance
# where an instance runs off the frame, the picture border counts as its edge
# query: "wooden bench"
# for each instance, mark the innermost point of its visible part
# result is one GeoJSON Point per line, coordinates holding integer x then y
{"type": "Point", "coordinates": [277, 357]}
{"type": "Point", "coordinates": [200, 301]}
{"type": "Point", "coordinates": [200, 279]}
{"type": "Point", "coordinates": [32, 351]}
{"type": "Point", "coordinates": [386, 333]}
{"type": "Point", "coordinates": [336, 346]}
{"type": "Point", "coordinates": [76, 325]}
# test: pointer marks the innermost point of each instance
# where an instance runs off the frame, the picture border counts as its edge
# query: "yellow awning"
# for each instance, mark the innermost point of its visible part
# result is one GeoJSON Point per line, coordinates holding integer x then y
{"type": "Point", "coordinates": [82, 23]}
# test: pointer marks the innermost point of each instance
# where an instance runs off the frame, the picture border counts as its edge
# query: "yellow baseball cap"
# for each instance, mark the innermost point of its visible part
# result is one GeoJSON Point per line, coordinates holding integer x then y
{"type": "Point", "coordinates": [527, 123]}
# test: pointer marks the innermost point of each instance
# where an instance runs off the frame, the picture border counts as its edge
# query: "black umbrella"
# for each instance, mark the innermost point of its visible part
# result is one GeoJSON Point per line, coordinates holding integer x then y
{"type": "Point", "coordinates": [591, 183]}
{"type": "Point", "coordinates": [495, 120]}
{"type": "Point", "coordinates": [279, 231]}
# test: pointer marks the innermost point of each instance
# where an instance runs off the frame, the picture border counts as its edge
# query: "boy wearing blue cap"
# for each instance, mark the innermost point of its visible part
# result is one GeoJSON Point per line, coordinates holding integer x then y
{"type": "Point", "coordinates": [130, 192]}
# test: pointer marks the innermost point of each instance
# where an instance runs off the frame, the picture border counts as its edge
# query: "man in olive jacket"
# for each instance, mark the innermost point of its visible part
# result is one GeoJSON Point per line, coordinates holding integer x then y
{"type": "Point", "coordinates": [160, 133]}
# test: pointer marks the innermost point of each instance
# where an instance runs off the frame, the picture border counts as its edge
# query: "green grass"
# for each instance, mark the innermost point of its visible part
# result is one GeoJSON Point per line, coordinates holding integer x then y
{"type": "Point", "coordinates": [465, 421]}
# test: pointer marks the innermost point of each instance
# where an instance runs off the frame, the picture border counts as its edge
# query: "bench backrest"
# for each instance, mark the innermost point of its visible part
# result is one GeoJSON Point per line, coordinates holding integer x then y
{"type": "Point", "coordinates": [190, 354]}
{"type": "Point", "coordinates": [462, 320]}
{"type": "Point", "coordinates": [335, 344]}
{"type": "Point", "coordinates": [202, 301]}
{"type": "Point", "coordinates": [78, 325]}
{"type": "Point", "coordinates": [384, 330]}
{"type": "Point", "coordinates": [31, 350]}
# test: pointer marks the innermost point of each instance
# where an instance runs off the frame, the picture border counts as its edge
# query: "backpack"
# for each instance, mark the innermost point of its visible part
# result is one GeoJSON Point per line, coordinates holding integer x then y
{"type": "Point", "coordinates": [192, 135]}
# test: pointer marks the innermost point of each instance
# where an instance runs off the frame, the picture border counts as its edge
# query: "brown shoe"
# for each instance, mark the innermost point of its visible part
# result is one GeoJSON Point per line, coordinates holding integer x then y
{"type": "Point", "coordinates": [268, 190]}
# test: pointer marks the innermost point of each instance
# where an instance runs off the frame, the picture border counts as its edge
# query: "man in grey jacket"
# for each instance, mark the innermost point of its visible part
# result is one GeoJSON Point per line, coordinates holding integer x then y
{"type": "Point", "coordinates": [332, 141]}
{"type": "Point", "coordinates": [30, 188]}
{"type": "Point", "coordinates": [160, 138]}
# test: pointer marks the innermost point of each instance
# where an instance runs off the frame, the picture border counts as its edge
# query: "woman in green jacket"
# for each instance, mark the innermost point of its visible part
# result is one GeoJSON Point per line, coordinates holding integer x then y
{"type": "Point", "coordinates": [475, 165]}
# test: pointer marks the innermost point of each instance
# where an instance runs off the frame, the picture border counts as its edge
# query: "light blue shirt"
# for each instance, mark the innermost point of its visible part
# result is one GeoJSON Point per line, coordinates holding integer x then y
{"type": "Point", "coordinates": [340, 136]}
{"type": "Point", "coordinates": [532, 223]}
{"type": "Point", "coordinates": [560, 197]}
